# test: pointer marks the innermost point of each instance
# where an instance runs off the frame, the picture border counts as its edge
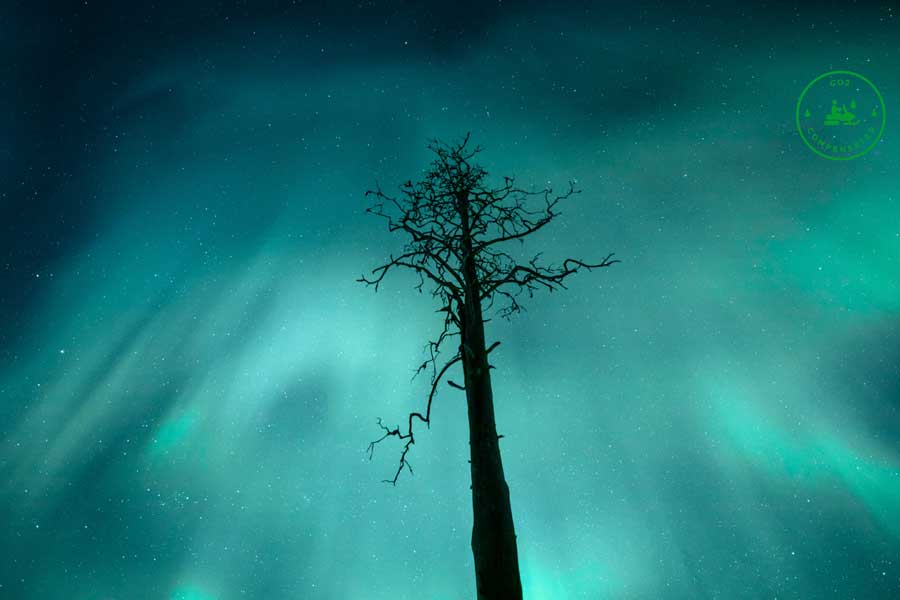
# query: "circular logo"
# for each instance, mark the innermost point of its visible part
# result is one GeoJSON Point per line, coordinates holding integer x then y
{"type": "Point", "coordinates": [840, 115]}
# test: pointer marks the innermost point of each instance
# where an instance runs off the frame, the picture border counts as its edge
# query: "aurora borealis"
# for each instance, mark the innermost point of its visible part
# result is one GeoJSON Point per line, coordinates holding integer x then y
{"type": "Point", "coordinates": [190, 374]}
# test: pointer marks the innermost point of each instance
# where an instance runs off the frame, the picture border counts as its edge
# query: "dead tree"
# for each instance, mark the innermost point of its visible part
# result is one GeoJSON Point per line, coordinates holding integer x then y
{"type": "Point", "coordinates": [457, 231]}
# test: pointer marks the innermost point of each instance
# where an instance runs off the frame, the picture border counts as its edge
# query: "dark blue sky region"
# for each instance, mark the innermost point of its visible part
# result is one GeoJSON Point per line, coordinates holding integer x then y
{"type": "Point", "coordinates": [190, 374]}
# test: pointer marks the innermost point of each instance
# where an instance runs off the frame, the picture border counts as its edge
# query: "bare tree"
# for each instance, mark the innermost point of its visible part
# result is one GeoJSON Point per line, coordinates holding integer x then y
{"type": "Point", "coordinates": [457, 231]}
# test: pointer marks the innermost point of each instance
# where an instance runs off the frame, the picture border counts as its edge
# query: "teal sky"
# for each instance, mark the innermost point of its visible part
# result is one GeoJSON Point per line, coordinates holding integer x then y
{"type": "Point", "coordinates": [190, 374]}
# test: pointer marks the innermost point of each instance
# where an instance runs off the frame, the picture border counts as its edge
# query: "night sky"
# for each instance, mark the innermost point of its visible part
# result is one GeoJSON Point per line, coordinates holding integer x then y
{"type": "Point", "coordinates": [190, 374]}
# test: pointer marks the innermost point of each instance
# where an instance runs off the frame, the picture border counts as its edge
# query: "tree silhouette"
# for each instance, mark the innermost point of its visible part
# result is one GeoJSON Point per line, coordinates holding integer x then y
{"type": "Point", "coordinates": [458, 230]}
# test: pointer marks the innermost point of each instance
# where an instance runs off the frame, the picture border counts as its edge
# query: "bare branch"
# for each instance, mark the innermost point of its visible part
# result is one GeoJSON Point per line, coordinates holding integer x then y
{"type": "Point", "coordinates": [534, 276]}
{"type": "Point", "coordinates": [517, 222]}
{"type": "Point", "coordinates": [409, 436]}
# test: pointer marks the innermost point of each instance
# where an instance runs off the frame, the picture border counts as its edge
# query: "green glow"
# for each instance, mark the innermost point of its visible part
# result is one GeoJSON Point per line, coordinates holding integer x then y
{"type": "Point", "coordinates": [176, 430]}
{"type": "Point", "coordinates": [847, 255]}
{"type": "Point", "coordinates": [585, 579]}
{"type": "Point", "coordinates": [204, 431]}
{"type": "Point", "coordinates": [190, 592]}
{"type": "Point", "coordinates": [813, 457]}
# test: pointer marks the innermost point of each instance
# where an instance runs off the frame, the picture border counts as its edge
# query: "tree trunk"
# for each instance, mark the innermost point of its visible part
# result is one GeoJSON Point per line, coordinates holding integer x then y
{"type": "Point", "coordinates": [493, 533]}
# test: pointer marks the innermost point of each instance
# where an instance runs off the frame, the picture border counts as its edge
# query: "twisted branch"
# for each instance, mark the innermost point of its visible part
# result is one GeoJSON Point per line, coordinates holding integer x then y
{"type": "Point", "coordinates": [409, 436]}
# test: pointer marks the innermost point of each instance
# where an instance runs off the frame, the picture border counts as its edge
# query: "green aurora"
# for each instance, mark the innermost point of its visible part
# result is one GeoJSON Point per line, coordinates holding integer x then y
{"type": "Point", "coordinates": [191, 378]}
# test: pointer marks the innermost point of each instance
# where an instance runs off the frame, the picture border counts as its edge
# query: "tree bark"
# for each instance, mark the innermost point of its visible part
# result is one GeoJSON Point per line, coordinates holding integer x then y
{"type": "Point", "coordinates": [493, 532]}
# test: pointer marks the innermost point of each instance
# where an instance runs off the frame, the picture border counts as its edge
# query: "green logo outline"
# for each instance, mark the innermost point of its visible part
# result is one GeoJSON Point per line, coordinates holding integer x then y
{"type": "Point", "coordinates": [877, 94]}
